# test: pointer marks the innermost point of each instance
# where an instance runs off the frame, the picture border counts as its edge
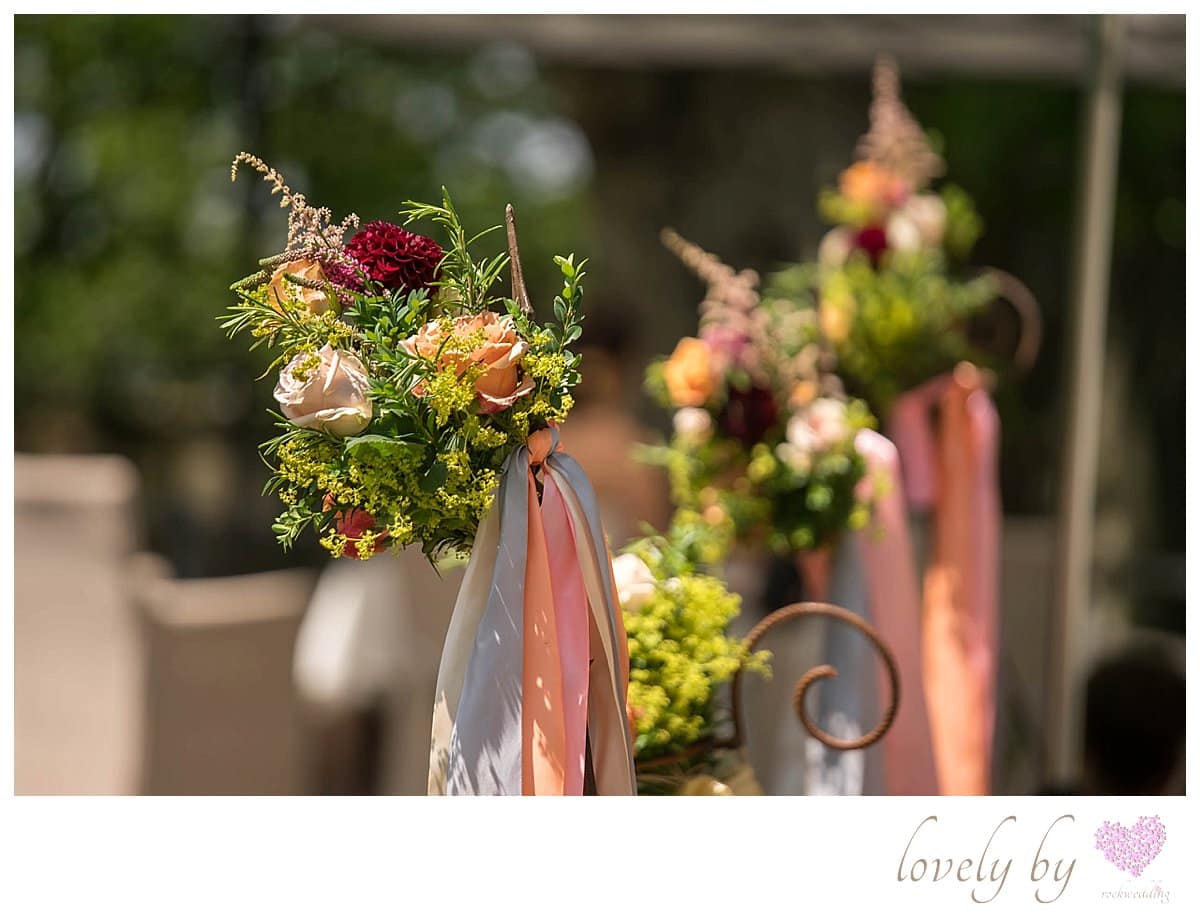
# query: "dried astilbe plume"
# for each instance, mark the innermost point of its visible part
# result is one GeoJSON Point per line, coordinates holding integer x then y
{"type": "Point", "coordinates": [731, 303]}
{"type": "Point", "coordinates": [803, 365]}
{"type": "Point", "coordinates": [311, 231]}
{"type": "Point", "coordinates": [731, 296]}
{"type": "Point", "coordinates": [308, 227]}
{"type": "Point", "coordinates": [895, 139]}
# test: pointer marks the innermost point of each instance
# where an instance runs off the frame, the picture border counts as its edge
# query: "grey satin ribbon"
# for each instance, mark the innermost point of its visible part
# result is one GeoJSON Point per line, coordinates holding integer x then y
{"type": "Point", "coordinates": [485, 743]}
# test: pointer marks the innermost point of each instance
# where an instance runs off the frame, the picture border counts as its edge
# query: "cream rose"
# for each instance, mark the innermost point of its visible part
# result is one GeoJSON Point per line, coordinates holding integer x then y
{"type": "Point", "coordinates": [500, 383]}
{"type": "Point", "coordinates": [827, 420]}
{"type": "Point", "coordinates": [800, 436]}
{"type": "Point", "coordinates": [284, 291]}
{"type": "Point", "coordinates": [693, 424]}
{"type": "Point", "coordinates": [927, 214]}
{"type": "Point", "coordinates": [326, 391]}
{"type": "Point", "coordinates": [835, 247]}
{"type": "Point", "coordinates": [818, 427]}
{"type": "Point", "coordinates": [635, 582]}
{"type": "Point", "coordinates": [903, 235]}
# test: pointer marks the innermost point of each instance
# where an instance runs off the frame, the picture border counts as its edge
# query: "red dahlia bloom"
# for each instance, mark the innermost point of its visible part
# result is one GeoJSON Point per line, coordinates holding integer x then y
{"type": "Point", "coordinates": [396, 258]}
{"type": "Point", "coordinates": [873, 241]}
{"type": "Point", "coordinates": [748, 415]}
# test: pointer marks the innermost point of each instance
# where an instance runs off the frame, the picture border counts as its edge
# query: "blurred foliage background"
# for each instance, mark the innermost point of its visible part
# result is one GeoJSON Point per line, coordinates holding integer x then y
{"type": "Point", "coordinates": [128, 232]}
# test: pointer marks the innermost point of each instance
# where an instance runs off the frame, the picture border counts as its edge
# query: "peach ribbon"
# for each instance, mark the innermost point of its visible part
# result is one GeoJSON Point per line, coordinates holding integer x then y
{"type": "Point", "coordinates": [571, 631]}
{"type": "Point", "coordinates": [895, 607]}
{"type": "Point", "coordinates": [952, 467]}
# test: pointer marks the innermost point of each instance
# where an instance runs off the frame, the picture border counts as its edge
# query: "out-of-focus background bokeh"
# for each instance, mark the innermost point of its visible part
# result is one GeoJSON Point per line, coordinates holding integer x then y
{"type": "Point", "coordinates": [157, 622]}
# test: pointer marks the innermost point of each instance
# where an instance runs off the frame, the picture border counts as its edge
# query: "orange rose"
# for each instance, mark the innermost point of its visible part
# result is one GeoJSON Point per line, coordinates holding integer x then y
{"type": "Point", "coordinates": [690, 373]}
{"type": "Point", "coordinates": [803, 393]}
{"type": "Point", "coordinates": [283, 290]}
{"type": "Point", "coordinates": [485, 341]}
{"type": "Point", "coordinates": [836, 317]}
{"type": "Point", "coordinates": [870, 184]}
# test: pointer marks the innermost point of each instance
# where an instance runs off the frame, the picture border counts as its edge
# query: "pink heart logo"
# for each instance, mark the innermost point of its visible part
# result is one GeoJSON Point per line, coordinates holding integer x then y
{"type": "Point", "coordinates": [1131, 848]}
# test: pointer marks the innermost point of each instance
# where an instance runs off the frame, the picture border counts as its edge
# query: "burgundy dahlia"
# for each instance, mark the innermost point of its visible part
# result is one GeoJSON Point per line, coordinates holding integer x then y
{"type": "Point", "coordinates": [873, 241]}
{"type": "Point", "coordinates": [395, 257]}
{"type": "Point", "coordinates": [748, 415]}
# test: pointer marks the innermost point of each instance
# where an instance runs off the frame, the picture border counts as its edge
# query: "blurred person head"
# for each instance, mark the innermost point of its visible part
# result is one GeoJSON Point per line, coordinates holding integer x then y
{"type": "Point", "coordinates": [1134, 723]}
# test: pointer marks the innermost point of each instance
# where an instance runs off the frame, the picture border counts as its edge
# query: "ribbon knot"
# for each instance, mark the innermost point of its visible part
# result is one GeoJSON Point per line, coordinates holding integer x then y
{"type": "Point", "coordinates": [541, 444]}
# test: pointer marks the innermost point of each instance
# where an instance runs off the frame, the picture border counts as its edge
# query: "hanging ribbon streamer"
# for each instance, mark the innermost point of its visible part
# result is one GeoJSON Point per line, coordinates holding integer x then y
{"type": "Point", "coordinates": [895, 604]}
{"type": "Point", "coordinates": [847, 706]}
{"type": "Point", "coordinates": [535, 667]}
{"type": "Point", "coordinates": [950, 467]}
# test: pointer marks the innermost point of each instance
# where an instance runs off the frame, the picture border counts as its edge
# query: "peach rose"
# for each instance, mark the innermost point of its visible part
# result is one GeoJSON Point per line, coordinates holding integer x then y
{"type": "Point", "coordinates": [283, 290]}
{"type": "Point", "coordinates": [690, 373]}
{"type": "Point", "coordinates": [498, 356]}
{"type": "Point", "coordinates": [868, 183]}
{"type": "Point", "coordinates": [326, 391]}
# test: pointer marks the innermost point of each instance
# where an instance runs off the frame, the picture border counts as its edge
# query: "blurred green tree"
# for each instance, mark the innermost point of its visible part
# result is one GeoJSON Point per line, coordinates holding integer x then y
{"type": "Point", "coordinates": [128, 231]}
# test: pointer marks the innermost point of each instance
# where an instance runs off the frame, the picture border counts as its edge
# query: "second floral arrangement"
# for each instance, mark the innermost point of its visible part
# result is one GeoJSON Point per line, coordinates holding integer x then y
{"type": "Point", "coordinates": [888, 285]}
{"type": "Point", "coordinates": [763, 443]}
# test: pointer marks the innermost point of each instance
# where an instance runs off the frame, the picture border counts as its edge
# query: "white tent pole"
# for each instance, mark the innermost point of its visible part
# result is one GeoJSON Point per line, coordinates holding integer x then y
{"type": "Point", "coordinates": [1069, 647]}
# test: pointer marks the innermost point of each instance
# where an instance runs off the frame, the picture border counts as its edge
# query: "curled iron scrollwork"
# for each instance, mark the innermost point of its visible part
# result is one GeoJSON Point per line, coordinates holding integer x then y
{"type": "Point", "coordinates": [821, 672]}
{"type": "Point", "coordinates": [1015, 294]}
{"type": "Point", "coordinates": [810, 677]}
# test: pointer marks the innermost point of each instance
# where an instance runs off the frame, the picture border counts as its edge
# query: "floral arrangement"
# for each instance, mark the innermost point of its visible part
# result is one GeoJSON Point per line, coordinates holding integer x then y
{"type": "Point", "coordinates": [404, 380]}
{"type": "Point", "coordinates": [887, 303]}
{"type": "Point", "coordinates": [763, 438]}
{"type": "Point", "coordinates": [680, 653]}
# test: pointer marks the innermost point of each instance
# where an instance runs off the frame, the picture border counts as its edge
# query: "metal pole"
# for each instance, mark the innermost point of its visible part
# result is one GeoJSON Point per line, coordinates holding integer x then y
{"type": "Point", "coordinates": [1069, 646]}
